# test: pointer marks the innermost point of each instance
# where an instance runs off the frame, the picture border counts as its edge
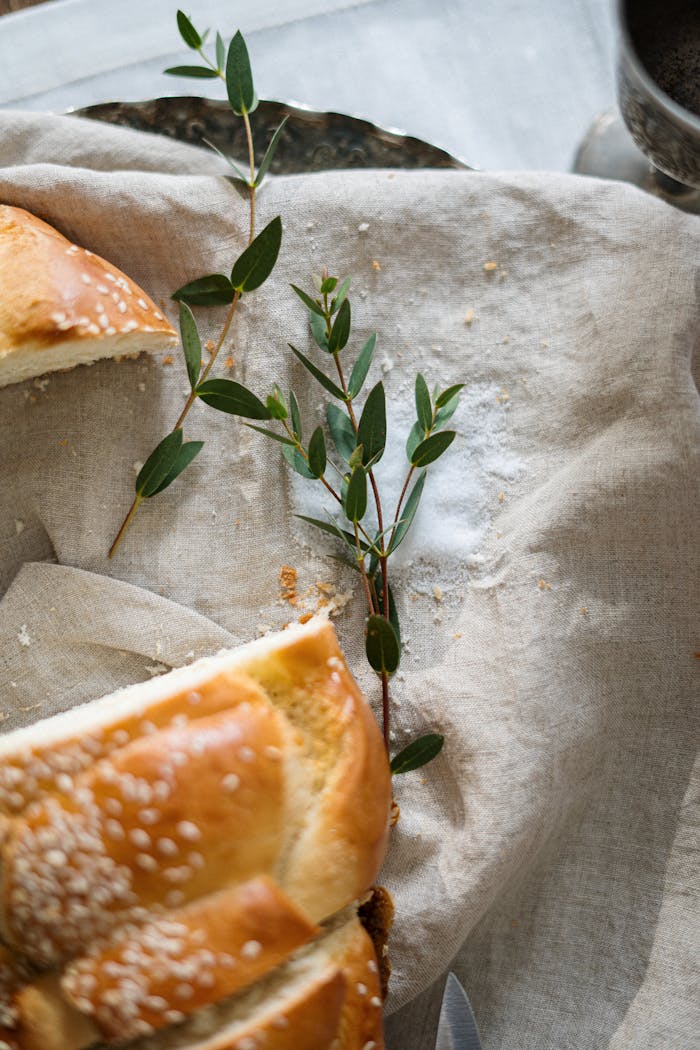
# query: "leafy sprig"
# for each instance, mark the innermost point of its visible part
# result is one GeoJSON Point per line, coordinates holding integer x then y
{"type": "Point", "coordinates": [251, 269]}
{"type": "Point", "coordinates": [341, 457]}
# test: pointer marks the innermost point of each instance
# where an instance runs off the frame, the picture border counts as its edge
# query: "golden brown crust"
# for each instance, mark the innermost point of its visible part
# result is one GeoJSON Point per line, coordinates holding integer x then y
{"type": "Point", "coordinates": [224, 809]}
{"type": "Point", "coordinates": [55, 291]}
{"type": "Point", "coordinates": [188, 959]}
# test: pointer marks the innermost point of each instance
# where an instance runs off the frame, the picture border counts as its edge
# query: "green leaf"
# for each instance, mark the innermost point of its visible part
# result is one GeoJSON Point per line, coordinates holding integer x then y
{"type": "Point", "coordinates": [356, 457]}
{"type": "Point", "coordinates": [159, 464]}
{"type": "Point", "coordinates": [418, 753]}
{"type": "Point", "coordinates": [204, 72]}
{"type": "Point", "coordinates": [220, 52]}
{"type": "Point", "coordinates": [318, 375]}
{"type": "Point", "coordinates": [340, 332]}
{"type": "Point", "coordinates": [228, 396]}
{"type": "Point", "coordinates": [257, 262]}
{"type": "Point", "coordinates": [296, 415]}
{"type": "Point", "coordinates": [355, 503]}
{"type": "Point", "coordinates": [269, 153]}
{"type": "Point", "coordinates": [276, 406]}
{"type": "Point", "coordinates": [361, 367]}
{"type": "Point", "coordinates": [317, 453]}
{"type": "Point", "coordinates": [297, 461]}
{"type": "Point", "coordinates": [413, 440]}
{"type": "Point", "coordinates": [308, 302]}
{"type": "Point", "coordinates": [239, 77]}
{"type": "Point", "coordinates": [187, 31]}
{"type": "Point", "coordinates": [448, 394]}
{"type": "Point", "coordinates": [433, 447]}
{"type": "Point", "coordinates": [341, 431]}
{"type": "Point", "coordinates": [371, 431]}
{"type": "Point", "coordinates": [444, 414]}
{"type": "Point", "coordinates": [340, 297]}
{"type": "Point", "coordinates": [328, 285]}
{"type": "Point", "coordinates": [409, 512]}
{"type": "Point", "coordinates": [189, 450]}
{"type": "Point", "coordinates": [424, 409]}
{"type": "Point", "coordinates": [191, 344]}
{"type": "Point", "coordinates": [318, 331]}
{"type": "Point", "coordinates": [333, 529]}
{"type": "Point", "coordinates": [282, 438]}
{"type": "Point", "coordinates": [382, 645]}
{"type": "Point", "coordinates": [231, 163]}
{"type": "Point", "coordinates": [213, 290]}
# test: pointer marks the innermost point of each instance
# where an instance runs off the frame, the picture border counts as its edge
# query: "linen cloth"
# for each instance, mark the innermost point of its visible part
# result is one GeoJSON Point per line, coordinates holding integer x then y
{"type": "Point", "coordinates": [549, 597]}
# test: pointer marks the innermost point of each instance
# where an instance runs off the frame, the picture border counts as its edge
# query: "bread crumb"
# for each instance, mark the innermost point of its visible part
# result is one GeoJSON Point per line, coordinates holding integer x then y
{"type": "Point", "coordinates": [490, 266]}
{"type": "Point", "coordinates": [19, 526]}
{"type": "Point", "coordinates": [142, 388]}
{"type": "Point", "coordinates": [156, 669]}
{"type": "Point", "coordinates": [387, 365]}
{"type": "Point", "coordinates": [544, 586]}
{"type": "Point", "coordinates": [209, 345]}
{"type": "Point", "coordinates": [263, 628]}
{"type": "Point", "coordinates": [505, 339]}
{"type": "Point", "coordinates": [469, 316]}
{"type": "Point", "coordinates": [457, 635]}
{"type": "Point", "coordinates": [288, 584]}
{"type": "Point", "coordinates": [228, 363]}
{"type": "Point", "coordinates": [437, 593]}
{"type": "Point", "coordinates": [375, 264]}
{"type": "Point", "coordinates": [167, 360]}
{"type": "Point", "coordinates": [363, 227]}
{"type": "Point", "coordinates": [23, 636]}
{"type": "Point", "coordinates": [501, 497]}
{"type": "Point", "coordinates": [41, 384]}
{"type": "Point", "coordinates": [305, 617]}
{"type": "Point", "coordinates": [584, 611]}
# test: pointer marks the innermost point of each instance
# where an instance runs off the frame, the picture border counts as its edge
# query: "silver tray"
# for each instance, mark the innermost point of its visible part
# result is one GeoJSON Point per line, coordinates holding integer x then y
{"type": "Point", "coordinates": [311, 141]}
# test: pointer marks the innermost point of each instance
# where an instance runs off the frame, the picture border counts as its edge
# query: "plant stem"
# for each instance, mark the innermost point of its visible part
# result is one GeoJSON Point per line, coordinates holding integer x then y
{"type": "Point", "coordinates": [400, 504]}
{"type": "Point", "coordinates": [385, 709]}
{"type": "Point", "coordinates": [125, 524]}
{"type": "Point", "coordinates": [220, 341]}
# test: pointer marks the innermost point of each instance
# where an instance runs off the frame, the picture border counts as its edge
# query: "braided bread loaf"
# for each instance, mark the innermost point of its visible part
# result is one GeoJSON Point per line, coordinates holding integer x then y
{"type": "Point", "coordinates": [180, 862]}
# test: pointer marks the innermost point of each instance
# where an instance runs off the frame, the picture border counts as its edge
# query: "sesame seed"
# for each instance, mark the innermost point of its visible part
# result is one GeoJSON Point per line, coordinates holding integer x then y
{"type": "Point", "coordinates": [251, 950]}
{"type": "Point", "coordinates": [149, 816]}
{"type": "Point", "coordinates": [281, 1022]}
{"type": "Point", "coordinates": [121, 306]}
{"type": "Point", "coordinates": [178, 758]}
{"type": "Point", "coordinates": [116, 297]}
{"type": "Point", "coordinates": [56, 858]}
{"type": "Point", "coordinates": [161, 790]}
{"type": "Point", "coordinates": [157, 315]}
{"type": "Point", "coordinates": [174, 898]}
{"type": "Point", "coordinates": [248, 1042]}
{"type": "Point", "coordinates": [147, 728]}
{"type": "Point", "coordinates": [114, 830]}
{"type": "Point", "coordinates": [375, 1001]}
{"type": "Point", "coordinates": [184, 991]}
{"type": "Point", "coordinates": [361, 988]}
{"type": "Point", "coordinates": [99, 307]}
{"type": "Point", "coordinates": [179, 721]}
{"type": "Point", "coordinates": [58, 318]}
{"type": "Point", "coordinates": [187, 830]}
{"type": "Point", "coordinates": [110, 331]}
{"type": "Point", "coordinates": [85, 278]}
{"type": "Point", "coordinates": [110, 277]}
{"type": "Point", "coordinates": [246, 754]}
{"type": "Point", "coordinates": [121, 737]}
{"type": "Point", "coordinates": [140, 838]}
{"type": "Point", "coordinates": [372, 966]}
{"type": "Point", "coordinates": [87, 251]}
{"type": "Point", "coordinates": [195, 859]}
{"type": "Point", "coordinates": [273, 752]}
{"type": "Point", "coordinates": [231, 782]}
{"type": "Point", "coordinates": [181, 874]}
{"type": "Point", "coordinates": [173, 1016]}
{"type": "Point", "coordinates": [102, 289]}
{"type": "Point", "coordinates": [156, 1003]}
{"type": "Point", "coordinates": [194, 697]}
{"type": "Point", "coordinates": [142, 304]}
{"type": "Point", "coordinates": [64, 783]}
{"type": "Point", "coordinates": [130, 326]}
{"type": "Point", "coordinates": [146, 862]}
{"type": "Point", "coordinates": [370, 1045]}
{"type": "Point", "coordinates": [93, 329]}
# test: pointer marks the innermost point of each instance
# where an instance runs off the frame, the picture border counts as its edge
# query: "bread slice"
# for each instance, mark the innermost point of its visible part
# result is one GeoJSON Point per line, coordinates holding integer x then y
{"type": "Point", "coordinates": [200, 824]}
{"type": "Point", "coordinates": [61, 305]}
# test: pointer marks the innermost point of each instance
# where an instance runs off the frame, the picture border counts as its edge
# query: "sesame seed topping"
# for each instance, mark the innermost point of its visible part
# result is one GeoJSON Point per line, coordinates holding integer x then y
{"type": "Point", "coordinates": [121, 306]}
{"type": "Point", "coordinates": [246, 754]}
{"type": "Point", "coordinates": [130, 326]}
{"type": "Point", "coordinates": [86, 278]}
{"type": "Point", "coordinates": [248, 1042]}
{"type": "Point", "coordinates": [114, 830]}
{"type": "Point", "coordinates": [56, 858]}
{"type": "Point", "coordinates": [372, 966]}
{"type": "Point", "coordinates": [116, 297]}
{"type": "Point", "coordinates": [140, 838]}
{"type": "Point", "coordinates": [174, 898]}
{"type": "Point", "coordinates": [110, 277]}
{"type": "Point", "coordinates": [375, 1001]}
{"type": "Point", "coordinates": [114, 807]}
{"type": "Point", "coordinates": [231, 782]}
{"type": "Point", "coordinates": [99, 307]}
{"type": "Point", "coordinates": [110, 331]}
{"type": "Point", "coordinates": [102, 289]}
{"type": "Point", "coordinates": [187, 830]}
{"type": "Point", "coordinates": [58, 318]}
{"type": "Point", "coordinates": [93, 329]}
{"type": "Point", "coordinates": [121, 737]}
{"type": "Point", "coordinates": [156, 1003]}
{"type": "Point", "coordinates": [173, 1016]}
{"type": "Point", "coordinates": [281, 1022]}
{"type": "Point", "coordinates": [251, 950]}
{"type": "Point", "coordinates": [184, 991]}
{"type": "Point", "coordinates": [179, 720]}
{"type": "Point", "coordinates": [273, 752]}
{"type": "Point", "coordinates": [361, 988]}
{"type": "Point", "coordinates": [148, 728]}
{"type": "Point", "coordinates": [157, 315]}
{"type": "Point", "coordinates": [149, 816]}
{"type": "Point", "coordinates": [194, 697]}
{"type": "Point", "coordinates": [146, 862]}
{"type": "Point", "coordinates": [142, 303]}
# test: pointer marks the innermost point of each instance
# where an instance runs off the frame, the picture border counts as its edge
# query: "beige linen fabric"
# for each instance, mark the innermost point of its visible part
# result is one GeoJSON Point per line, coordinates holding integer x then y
{"type": "Point", "coordinates": [550, 852]}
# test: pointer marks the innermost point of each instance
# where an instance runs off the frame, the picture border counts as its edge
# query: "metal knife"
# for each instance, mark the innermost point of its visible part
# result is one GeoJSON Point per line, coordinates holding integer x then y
{"type": "Point", "coordinates": [457, 1029]}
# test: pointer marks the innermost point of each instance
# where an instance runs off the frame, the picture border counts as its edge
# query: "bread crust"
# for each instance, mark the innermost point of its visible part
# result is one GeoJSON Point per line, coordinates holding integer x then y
{"type": "Point", "coordinates": [55, 293]}
{"type": "Point", "coordinates": [238, 802]}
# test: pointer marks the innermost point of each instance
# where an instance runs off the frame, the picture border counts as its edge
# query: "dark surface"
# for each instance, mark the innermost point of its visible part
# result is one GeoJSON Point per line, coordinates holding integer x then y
{"type": "Point", "coordinates": [311, 141]}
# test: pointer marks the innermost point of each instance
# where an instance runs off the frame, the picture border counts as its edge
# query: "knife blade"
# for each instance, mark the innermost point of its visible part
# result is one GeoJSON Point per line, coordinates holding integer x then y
{"type": "Point", "coordinates": [457, 1029]}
